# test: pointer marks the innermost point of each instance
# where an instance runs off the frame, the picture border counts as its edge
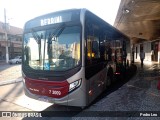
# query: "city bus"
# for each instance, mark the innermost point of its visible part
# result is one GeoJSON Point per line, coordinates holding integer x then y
{"type": "Point", "coordinates": [70, 57]}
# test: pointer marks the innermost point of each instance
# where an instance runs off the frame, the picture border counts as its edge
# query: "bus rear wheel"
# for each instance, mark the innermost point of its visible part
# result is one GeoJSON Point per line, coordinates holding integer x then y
{"type": "Point", "coordinates": [108, 82]}
{"type": "Point", "coordinates": [110, 76]}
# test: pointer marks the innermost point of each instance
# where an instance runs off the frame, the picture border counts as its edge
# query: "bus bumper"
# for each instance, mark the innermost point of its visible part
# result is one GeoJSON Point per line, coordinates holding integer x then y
{"type": "Point", "coordinates": [75, 98]}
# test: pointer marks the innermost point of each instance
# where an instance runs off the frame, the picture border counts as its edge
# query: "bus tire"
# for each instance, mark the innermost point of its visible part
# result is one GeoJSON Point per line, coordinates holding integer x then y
{"type": "Point", "coordinates": [108, 81]}
{"type": "Point", "coordinates": [110, 76]}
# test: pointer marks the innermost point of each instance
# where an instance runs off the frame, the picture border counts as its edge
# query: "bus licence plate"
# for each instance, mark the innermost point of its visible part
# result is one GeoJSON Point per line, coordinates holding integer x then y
{"type": "Point", "coordinates": [44, 99]}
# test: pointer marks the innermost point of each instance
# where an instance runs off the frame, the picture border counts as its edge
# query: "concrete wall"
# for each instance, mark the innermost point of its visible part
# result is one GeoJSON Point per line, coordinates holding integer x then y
{"type": "Point", "coordinates": [147, 50]}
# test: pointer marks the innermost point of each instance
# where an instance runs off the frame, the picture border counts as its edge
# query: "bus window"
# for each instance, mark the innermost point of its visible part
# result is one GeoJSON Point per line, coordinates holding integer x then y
{"type": "Point", "coordinates": [89, 48]}
{"type": "Point", "coordinates": [102, 51]}
{"type": "Point", "coordinates": [92, 48]}
{"type": "Point", "coordinates": [118, 51]}
{"type": "Point", "coordinates": [108, 51]}
{"type": "Point", "coordinates": [95, 48]}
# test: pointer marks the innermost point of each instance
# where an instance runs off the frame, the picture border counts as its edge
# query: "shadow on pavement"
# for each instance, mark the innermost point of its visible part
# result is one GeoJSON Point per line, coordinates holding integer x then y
{"type": "Point", "coordinates": [130, 72]}
{"type": "Point", "coordinates": [12, 89]}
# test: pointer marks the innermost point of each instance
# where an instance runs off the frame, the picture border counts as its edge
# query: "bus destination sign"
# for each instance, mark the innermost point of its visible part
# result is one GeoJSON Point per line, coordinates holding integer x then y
{"type": "Point", "coordinates": [51, 20]}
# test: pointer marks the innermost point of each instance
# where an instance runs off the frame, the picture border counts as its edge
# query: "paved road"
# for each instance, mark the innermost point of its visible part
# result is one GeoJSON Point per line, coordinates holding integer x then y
{"type": "Point", "coordinates": [10, 72]}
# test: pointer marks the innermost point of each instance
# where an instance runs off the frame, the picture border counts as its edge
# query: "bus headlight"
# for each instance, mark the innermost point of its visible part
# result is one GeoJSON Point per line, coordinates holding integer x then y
{"type": "Point", "coordinates": [74, 85]}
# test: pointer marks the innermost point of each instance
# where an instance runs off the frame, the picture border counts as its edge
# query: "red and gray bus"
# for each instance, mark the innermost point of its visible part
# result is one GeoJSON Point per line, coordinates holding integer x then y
{"type": "Point", "coordinates": [69, 57]}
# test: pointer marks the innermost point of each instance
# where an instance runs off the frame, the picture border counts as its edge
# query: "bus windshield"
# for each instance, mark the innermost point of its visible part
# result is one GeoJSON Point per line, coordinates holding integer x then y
{"type": "Point", "coordinates": [55, 49]}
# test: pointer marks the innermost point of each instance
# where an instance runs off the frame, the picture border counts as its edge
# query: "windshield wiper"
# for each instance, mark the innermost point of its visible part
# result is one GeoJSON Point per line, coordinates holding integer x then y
{"type": "Point", "coordinates": [56, 32]}
{"type": "Point", "coordinates": [38, 40]}
{"type": "Point", "coordinates": [36, 36]}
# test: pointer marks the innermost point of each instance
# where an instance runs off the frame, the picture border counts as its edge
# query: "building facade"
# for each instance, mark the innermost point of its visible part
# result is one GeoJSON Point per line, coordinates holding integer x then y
{"type": "Point", "coordinates": [14, 41]}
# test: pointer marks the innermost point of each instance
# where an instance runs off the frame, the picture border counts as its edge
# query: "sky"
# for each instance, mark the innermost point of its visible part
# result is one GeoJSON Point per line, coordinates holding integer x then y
{"type": "Point", "coordinates": [20, 11]}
